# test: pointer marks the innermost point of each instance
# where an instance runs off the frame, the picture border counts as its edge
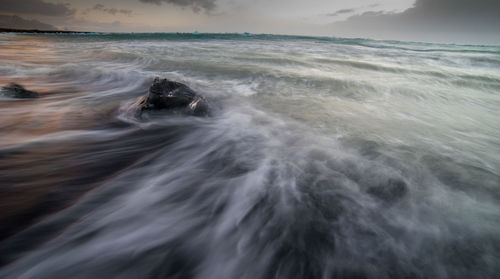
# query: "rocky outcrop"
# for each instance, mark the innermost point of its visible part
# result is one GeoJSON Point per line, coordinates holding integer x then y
{"type": "Point", "coordinates": [15, 90]}
{"type": "Point", "coordinates": [165, 94]}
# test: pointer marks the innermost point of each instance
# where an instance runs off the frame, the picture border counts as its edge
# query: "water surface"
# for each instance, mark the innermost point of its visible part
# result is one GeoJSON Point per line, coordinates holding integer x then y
{"type": "Point", "coordinates": [324, 158]}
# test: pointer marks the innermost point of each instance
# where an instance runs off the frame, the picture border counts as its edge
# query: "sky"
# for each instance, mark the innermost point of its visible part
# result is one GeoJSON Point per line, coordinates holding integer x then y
{"type": "Point", "coordinates": [450, 21]}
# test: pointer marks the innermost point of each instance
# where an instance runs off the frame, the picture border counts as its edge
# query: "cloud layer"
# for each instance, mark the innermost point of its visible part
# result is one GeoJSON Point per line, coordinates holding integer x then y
{"type": "Point", "coordinates": [112, 11]}
{"type": "Point", "coordinates": [36, 7]}
{"type": "Point", "coordinates": [196, 5]}
{"type": "Point", "coordinates": [341, 12]}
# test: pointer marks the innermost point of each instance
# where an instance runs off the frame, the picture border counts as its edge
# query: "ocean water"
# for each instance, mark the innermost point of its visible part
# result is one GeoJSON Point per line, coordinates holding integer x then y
{"type": "Point", "coordinates": [323, 158]}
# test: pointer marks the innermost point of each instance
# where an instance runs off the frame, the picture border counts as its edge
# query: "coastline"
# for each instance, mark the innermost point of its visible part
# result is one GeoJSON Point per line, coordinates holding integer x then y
{"type": "Point", "coordinates": [37, 31]}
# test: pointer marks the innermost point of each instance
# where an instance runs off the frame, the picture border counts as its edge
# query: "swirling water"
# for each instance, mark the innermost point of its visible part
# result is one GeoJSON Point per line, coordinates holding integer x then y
{"type": "Point", "coordinates": [323, 158]}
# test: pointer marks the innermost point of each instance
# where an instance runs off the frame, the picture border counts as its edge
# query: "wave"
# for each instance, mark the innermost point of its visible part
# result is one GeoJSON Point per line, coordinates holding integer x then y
{"type": "Point", "coordinates": [320, 160]}
{"type": "Point", "coordinates": [224, 189]}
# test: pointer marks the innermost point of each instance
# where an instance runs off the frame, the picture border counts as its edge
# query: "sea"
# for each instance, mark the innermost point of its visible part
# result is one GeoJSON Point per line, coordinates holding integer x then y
{"type": "Point", "coordinates": [321, 157]}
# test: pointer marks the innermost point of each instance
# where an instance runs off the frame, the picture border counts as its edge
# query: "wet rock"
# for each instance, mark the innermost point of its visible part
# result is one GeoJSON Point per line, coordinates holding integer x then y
{"type": "Point", "coordinates": [165, 94]}
{"type": "Point", "coordinates": [15, 90]}
{"type": "Point", "coordinates": [393, 190]}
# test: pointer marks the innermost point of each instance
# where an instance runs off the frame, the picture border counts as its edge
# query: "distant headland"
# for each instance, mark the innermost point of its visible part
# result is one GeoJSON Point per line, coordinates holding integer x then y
{"type": "Point", "coordinates": [16, 30]}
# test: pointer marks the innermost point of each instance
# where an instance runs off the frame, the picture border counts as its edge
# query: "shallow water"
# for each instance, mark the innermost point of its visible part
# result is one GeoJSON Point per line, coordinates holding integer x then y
{"type": "Point", "coordinates": [324, 158]}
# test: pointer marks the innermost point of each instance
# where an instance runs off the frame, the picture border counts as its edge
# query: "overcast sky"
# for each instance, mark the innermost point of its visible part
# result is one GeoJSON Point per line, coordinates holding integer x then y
{"type": "Point", "coordinates": [460, 21]}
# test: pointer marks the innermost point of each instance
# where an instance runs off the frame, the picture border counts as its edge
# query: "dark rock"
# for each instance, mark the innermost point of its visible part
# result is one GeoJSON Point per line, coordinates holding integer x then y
{"type": "Point", "coordinates": [15, 90]}
{"type": "Point", "coordinates": [393, 190]}
{"type": "Point", "coordinates": [170, 95]}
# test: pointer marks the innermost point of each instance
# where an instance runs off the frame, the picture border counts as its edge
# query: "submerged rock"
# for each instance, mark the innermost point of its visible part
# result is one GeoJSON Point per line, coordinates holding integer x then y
{"type": "Point", "coordinates": [170, 95]}
{"type": "Point", "coordinates": [15, 90]}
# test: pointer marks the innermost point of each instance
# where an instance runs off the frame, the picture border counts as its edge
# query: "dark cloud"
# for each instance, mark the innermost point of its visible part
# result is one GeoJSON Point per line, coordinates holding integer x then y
{"type": "Point", "coordinates": [447, 14]}
{"type": "Point", "coordinates": [196, 5]}
{"type": "Point", "coordinates": [341, 12]}
{"type": "Point", "coordinates": [430, 17]}
{"type": "Point", "coordinates": [112, 11]}
{"type": "Point", "coordinates": [351, 10]}
{"type": "Point", "coordinates": [16, 22]}
{"type": "Point", "coordinates": [36, 7]}
{"type": "Point", "coordinates": [441, 14]}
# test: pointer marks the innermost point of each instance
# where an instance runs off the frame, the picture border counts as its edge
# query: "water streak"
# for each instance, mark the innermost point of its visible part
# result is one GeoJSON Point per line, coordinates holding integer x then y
{"type": "Point", "coordinates": [324, 158]}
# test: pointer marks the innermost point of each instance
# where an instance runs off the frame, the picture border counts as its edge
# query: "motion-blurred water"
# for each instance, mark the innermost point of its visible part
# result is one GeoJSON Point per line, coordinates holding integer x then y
{"type": "Point", "coordinates": [324, 158]}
